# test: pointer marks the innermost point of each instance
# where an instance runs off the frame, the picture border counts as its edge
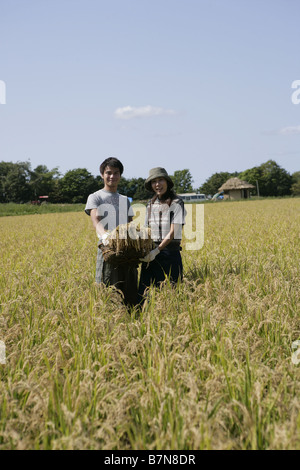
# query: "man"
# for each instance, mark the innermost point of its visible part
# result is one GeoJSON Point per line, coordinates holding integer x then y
{"type": "Point", "coordinates": [108, 209]}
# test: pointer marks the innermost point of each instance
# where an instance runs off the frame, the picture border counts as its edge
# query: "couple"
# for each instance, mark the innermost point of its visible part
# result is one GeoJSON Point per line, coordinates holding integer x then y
{"type": "Point", "coordinates": [165, 217]}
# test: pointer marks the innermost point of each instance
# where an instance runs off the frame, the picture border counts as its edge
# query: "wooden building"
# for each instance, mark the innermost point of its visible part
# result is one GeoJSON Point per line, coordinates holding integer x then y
{"type": "Point", "coordinates": [236, 189]}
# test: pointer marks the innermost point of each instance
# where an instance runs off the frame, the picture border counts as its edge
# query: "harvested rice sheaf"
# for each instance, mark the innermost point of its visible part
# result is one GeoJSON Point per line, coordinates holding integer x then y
{"type": "Point", "coordinates": [127, 243]}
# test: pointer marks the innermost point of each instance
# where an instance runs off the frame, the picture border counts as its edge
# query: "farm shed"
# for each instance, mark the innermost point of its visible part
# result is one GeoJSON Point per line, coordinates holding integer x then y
{"type": "Point", "coordinates": [235, 189]}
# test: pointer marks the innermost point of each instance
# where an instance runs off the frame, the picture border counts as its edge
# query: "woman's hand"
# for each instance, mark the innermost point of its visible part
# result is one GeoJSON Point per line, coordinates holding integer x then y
{"type": "Point", "coordinates": [150, 256]}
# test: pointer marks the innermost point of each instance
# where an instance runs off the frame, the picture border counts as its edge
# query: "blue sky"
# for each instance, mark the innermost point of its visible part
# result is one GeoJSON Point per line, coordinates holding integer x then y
{"type": "Point", "coordinates": [198, 84]}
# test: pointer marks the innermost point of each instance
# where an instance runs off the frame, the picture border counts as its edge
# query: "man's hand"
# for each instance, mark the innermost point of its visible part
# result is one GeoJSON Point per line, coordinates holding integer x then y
{"type": "Point", "coordinates": [150, 256]}
{"type": "Point", "coordinates": [104, 238]}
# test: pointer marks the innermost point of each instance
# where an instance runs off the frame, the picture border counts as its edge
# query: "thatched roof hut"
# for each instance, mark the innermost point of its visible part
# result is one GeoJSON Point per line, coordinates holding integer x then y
{"type": "Point", "coordinates": [234, 188]}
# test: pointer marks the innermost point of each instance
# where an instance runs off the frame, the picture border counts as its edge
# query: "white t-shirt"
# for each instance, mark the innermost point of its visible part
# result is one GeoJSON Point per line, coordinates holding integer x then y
{"type": "Point", "coordinates": [113, 209]}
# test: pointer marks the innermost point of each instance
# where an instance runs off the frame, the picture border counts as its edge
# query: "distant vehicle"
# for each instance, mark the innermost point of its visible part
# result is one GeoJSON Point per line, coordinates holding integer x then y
{"type": "Point", "coordinates": [40, 200]}
{"type": "Point", "coordinates": [218, 196]}
{"type": "Point", "coordinates": [193, 197]}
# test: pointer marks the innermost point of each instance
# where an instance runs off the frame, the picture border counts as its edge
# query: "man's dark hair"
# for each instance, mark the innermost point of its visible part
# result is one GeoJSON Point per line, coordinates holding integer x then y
{"type": "Point", "coordinates": [113, 162]}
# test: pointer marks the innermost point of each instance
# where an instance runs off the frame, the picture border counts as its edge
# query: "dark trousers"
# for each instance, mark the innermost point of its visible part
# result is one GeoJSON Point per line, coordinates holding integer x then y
{"type": "Point", "coordinates": [167, 263]}
{"type": "Point", "coordinates": [122, 276]}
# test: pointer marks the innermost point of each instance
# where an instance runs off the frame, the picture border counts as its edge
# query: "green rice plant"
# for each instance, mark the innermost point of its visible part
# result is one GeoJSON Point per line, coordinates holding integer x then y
{"type": "Point", "coordinates": [205, 365]}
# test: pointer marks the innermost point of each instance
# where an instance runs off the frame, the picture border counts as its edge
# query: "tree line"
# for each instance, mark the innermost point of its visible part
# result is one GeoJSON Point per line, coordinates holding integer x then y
{"type": "Point", "coordinates": [268, 179]}
{"type": "Point", "coordinates": [19, 183]}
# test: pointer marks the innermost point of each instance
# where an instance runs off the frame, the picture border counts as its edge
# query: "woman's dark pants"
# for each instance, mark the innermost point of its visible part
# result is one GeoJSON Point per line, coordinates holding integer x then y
{"type": "Point", "coordinates": [167, 263]}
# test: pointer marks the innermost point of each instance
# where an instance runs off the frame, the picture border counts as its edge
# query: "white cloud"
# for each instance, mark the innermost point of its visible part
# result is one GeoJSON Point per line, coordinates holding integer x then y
{"type": "Point", "coordinates": [291, 130]}
{"type": "Point", "coordinates": [130, 112]}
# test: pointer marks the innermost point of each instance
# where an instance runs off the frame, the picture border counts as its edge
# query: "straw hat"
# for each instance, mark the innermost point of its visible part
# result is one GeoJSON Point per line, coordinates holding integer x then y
{"type": "Point", "coordinates": [157, 173]}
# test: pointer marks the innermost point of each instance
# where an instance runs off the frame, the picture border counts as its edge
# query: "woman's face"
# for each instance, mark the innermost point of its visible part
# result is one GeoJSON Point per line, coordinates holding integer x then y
{"type": "Point", "coordinates": [159, 186]}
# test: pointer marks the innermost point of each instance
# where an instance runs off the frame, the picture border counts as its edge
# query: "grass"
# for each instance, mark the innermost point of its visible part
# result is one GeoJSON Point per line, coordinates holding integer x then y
{"type": "Point", "coordinates": [205, 366]}
{"type": "Point", "coordinates": [11, 208]}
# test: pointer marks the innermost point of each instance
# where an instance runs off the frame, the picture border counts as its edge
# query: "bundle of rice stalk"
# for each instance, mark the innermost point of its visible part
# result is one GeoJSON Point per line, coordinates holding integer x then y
{"type": "Point", "coordinates": [127, 243]}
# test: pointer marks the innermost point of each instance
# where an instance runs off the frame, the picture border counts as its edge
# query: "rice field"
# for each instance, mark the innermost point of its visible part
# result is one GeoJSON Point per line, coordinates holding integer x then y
{"type": "Point", "coordinates": [207, 365]}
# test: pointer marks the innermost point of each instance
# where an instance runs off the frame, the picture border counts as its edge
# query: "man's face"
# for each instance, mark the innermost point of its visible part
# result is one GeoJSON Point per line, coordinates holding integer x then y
{"type": "Point", "coordinates": [111, 178]}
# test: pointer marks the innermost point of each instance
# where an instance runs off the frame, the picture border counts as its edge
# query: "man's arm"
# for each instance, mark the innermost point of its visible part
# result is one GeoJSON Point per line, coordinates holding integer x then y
{"type": "Point", "coordinates": [96, 222]}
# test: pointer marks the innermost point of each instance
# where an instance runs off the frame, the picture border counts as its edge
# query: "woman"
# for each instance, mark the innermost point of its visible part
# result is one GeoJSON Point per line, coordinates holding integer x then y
{"type": "Point", "coordinates": [165, 217]}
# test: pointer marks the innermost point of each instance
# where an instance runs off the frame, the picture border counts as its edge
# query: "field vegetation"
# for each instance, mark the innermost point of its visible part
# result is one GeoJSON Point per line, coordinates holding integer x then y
{"type": "Point", "coordinates": [12, 208]}
{"type": "Point", "coordinates": [206, 365]}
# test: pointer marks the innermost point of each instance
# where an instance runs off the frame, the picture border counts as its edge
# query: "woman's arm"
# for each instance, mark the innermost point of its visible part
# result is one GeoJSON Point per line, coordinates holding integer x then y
{"type": "Point", "coordinates": [169, 237]}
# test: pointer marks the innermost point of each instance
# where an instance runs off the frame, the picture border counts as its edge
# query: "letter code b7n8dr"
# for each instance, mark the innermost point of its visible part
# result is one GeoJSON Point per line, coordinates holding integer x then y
{"type": "Point", "coordinates": [171, 459]}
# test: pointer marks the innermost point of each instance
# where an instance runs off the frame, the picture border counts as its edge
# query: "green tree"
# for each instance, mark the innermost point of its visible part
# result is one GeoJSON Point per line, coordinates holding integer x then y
{"type": "Point", "coordinates": [141, 193]}
{"type": "Point", "coordinates": [214, 182]}
{"type": "Point", "coordinates": [272, 180]}
{"type": "Point", "coordinates": [295, 188]}
{"type": "Point", "coordinates": [134, 188]}
{"type": "Point", "coordinates": [254, 176]}
{"type": "Point", "coordinates": [76, 185]}
{"type": "Point", "coordinates": [182, 181]}
{"type": "Point", "coordinates": [5, 169]}
{"type": "Point", "coordinates": [15, 181]}
{"type": "Point", "coordinates": [42, 181]}
{"type": "Point", "coordinates": [124, 187]}
{"type": "Point", "coordinates": [277, 181]}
